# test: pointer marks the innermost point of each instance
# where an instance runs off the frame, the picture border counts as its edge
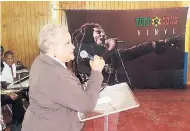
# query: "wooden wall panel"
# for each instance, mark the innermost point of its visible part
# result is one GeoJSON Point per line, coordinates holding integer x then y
{"type": "Point", "coordinates": [118, 5]}
{"type": "Point", "coordinates": [21, 24]}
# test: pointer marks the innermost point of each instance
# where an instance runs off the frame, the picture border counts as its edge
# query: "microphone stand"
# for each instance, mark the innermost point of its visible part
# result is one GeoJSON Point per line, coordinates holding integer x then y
{"type": "Point", "coordinates": [128, 78]}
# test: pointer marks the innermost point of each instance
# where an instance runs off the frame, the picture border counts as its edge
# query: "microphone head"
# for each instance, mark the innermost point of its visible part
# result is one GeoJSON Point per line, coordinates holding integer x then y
{"type": "Point", "coordinates": [83, 54]}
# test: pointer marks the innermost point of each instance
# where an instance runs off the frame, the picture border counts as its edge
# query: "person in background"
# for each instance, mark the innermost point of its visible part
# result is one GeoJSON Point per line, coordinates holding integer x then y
{"type": "Point", "coordinates": [2, 65]}
{"type": "Point", "coordinates": [56, 95]}
{"type": "Point", "coordinates": [9, 70]}
{"type": "Point", "coordinates": [11, 98]}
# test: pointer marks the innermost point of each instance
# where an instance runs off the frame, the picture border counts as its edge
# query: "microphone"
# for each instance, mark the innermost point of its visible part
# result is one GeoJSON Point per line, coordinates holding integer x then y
{"type": "Point", "coordinates": [120, 41]}
{"type": "Point", "coordinates": [84, 54]}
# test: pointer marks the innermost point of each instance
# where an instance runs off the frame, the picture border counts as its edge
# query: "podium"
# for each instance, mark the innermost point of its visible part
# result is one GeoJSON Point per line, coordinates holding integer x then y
{"type": "Point", "coordinates": [112, 100]}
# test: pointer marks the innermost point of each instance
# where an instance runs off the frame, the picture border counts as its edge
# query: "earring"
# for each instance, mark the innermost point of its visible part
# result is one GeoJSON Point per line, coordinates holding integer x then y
{"type": "Point", "coordinates": [54, 54]}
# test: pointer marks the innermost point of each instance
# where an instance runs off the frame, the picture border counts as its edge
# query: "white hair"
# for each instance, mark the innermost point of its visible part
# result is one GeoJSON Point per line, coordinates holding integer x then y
{"type": "Point", "coordinates": [47, 36]}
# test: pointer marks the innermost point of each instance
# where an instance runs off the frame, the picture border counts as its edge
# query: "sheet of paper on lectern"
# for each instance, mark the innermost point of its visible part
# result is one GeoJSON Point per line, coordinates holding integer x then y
{"type": "Point", "coordinates": [112, 99]}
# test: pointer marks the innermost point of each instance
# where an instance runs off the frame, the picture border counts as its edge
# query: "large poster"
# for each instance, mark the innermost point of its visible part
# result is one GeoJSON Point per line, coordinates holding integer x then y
{"type": "Point", "coordinates": [144, 48]}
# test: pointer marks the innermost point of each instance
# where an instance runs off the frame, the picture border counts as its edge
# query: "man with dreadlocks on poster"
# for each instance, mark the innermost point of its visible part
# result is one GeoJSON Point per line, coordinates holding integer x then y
{"type": "Point", "coordinates": [92, 38]}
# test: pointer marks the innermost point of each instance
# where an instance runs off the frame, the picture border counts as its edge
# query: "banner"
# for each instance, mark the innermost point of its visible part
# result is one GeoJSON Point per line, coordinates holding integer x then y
{"type": "Point", "coordinates": [144, 48]}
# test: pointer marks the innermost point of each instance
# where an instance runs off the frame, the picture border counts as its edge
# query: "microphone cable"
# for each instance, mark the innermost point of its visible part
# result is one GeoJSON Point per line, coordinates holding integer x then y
{"type": "Point", "coordinates": [128, 78]}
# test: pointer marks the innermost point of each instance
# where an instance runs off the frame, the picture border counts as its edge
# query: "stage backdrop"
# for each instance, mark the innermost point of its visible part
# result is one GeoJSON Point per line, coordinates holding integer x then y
{"type": "Point", "coordinates": [161, 68]}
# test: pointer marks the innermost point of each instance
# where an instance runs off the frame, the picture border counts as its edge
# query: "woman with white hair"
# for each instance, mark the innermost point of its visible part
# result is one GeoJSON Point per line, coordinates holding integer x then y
{"type": "Point", "coordinates": [55, 94]}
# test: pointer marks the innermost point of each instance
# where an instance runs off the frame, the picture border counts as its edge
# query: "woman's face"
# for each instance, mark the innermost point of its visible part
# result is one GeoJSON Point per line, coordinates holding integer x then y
{"type": "Point", "coordinates": [64, 48]}
{"type": "Point", "coordinates": [98, 34]}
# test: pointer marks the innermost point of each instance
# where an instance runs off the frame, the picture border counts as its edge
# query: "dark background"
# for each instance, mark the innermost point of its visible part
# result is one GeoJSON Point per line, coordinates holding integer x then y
{"type": "Point", "coordinates": [151, 70]}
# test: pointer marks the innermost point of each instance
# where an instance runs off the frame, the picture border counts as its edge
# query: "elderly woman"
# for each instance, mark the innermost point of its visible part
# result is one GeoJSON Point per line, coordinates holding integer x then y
{"type": "Point", "coordinates": [56, 95]}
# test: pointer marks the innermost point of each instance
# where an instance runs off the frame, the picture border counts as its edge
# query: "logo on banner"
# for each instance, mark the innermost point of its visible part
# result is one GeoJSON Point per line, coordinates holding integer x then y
{"type": "Point", "coordinates": [156, 22]}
